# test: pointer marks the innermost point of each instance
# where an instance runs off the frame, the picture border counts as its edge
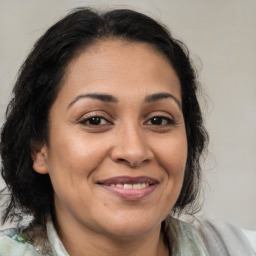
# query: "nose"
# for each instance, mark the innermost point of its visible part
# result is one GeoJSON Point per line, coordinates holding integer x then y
{"type": "Point", "coordinates": [131, 147]}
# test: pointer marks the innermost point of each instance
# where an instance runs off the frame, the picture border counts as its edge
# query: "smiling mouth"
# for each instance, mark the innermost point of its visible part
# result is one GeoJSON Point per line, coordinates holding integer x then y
{"type": "Point", "coordinates": [130, 188]}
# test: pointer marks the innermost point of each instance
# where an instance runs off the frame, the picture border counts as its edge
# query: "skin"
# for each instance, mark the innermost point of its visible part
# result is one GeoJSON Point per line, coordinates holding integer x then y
{"type": "Point", "coordinates": [132, 136]}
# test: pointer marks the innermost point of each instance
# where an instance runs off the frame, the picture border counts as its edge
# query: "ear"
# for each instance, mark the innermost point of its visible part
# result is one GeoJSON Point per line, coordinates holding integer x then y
{"type": "Point", "coordinates": [39, 157]}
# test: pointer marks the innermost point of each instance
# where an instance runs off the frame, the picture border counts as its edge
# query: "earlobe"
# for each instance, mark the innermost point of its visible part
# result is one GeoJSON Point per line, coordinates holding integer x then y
{"type": "Point", "coordinates": [39, 157]}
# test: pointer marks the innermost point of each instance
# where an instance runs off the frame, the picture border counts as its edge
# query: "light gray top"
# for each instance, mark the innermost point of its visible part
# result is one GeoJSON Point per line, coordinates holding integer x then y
{"type": "Point", "coordinates": [204, 238]}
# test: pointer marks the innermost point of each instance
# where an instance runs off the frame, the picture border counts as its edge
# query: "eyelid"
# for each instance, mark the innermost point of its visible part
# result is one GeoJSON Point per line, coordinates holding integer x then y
{"type": "Point", "coordinates": [100, 114]}
{"type": "Point", "coordinates": [170, 121]}
{"type": "Point", "coordinates": [87, 119]}
{"type": "Point", "coordinates": [159, 114]}
{"type": "Point", "coordinates": [167, 121]}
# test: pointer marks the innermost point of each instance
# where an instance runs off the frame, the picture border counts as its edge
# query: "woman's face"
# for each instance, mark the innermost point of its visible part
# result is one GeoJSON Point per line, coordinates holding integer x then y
{"type": "Point", "coordinates": [117, 142]}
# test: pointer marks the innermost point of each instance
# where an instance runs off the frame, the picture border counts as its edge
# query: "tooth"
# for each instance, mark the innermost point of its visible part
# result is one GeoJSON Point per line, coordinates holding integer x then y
{"type": "Point", "coordinates": [120, 185]}
{"type": "Point", "coordinates": [136, 186]}
{"type": "Point", "coordinates": [143, 185]}
{"type": "Point", "coordinates": [127, 186]}
{"type": "Point", "coordinates": [112, 185]}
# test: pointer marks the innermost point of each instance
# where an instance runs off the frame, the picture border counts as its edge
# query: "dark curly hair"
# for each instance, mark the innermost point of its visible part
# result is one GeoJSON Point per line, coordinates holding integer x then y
{"type": "Point", "coordinates": [37, 86]}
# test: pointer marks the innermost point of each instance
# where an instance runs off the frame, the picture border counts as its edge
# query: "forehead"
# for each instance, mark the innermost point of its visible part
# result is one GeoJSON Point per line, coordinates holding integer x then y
{"type": "Point", "coordinates": [120, 66]}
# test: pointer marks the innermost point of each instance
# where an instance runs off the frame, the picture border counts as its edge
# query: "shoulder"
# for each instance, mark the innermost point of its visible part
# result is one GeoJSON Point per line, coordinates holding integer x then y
{"type": "Point", "coordinates": [223, 238]}
{"type": "Point", "coordinates": [251, 237]}
{"type": "Point", "coordinates": [184, 238]}
{"type": "Point", "coordinates": [201, 236]}
{"type": "Point", "coordinates": [14, 243]}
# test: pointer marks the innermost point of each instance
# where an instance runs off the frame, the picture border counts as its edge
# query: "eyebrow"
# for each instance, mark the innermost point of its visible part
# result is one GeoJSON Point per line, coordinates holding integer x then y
{"type": "Point", "coordinates": [112, 99]}
{"type": "Point", "coordinates": [160, 96]}
{"type": "Point", "coordinates": [97, 96]}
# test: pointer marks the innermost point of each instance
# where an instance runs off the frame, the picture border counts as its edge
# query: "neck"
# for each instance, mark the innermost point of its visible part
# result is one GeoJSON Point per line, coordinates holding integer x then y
{"type": "Point", "coordinates": [94, 244]}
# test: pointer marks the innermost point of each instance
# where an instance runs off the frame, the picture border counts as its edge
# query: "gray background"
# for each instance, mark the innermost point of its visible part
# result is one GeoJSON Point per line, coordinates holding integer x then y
{"type": "Point", "coordinates": [221, 36]}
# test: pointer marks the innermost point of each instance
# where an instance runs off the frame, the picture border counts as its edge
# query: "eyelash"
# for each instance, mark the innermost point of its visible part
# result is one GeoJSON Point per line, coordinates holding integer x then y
{"type": "Point", "coordinates": [94, 118]}
{"type": "Point", "coordinates": [96, 121]}
{"type": "Point", "coordinates": [158, 118]}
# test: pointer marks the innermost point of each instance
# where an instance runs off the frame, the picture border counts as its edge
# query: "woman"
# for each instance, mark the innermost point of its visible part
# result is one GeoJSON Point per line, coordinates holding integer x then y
{"type": "Point", "coordinates": [102, 141]}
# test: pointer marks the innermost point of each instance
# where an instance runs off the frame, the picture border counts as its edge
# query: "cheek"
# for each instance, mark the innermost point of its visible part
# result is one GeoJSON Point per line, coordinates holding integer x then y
{"type": "Point", "coordinates": [173, 159]}
{"type": "Point", "coordinates": [174, 156]}
{"type": "Point", "coordinates": [77, 154]}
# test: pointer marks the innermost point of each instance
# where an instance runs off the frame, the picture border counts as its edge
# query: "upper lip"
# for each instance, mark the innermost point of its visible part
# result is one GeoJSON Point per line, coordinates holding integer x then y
{"type": "Point", "coordinates": [128, 180]}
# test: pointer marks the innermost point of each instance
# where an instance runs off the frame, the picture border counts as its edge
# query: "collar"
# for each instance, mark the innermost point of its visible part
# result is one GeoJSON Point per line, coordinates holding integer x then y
{"type": "Point", "coordinates": [182, 238]}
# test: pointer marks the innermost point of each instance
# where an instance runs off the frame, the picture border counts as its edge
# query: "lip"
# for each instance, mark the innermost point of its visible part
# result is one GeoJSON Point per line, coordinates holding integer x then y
{"type": "Point", "coordinates": [129, 194]}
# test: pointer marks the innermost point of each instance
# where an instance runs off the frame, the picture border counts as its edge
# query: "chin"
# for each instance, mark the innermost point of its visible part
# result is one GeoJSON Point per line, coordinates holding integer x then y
{"type": "Point", "coordinates": [131, 228]}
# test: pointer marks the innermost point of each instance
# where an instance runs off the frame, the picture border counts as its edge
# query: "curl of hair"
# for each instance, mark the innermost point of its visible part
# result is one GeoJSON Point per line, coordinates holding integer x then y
{"type": "Point", "coordinates": [37, 86]}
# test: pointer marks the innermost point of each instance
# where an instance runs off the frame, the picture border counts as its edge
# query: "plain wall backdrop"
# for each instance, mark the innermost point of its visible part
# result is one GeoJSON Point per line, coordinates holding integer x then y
{"type": "Point", "coordinates": [221, 36]}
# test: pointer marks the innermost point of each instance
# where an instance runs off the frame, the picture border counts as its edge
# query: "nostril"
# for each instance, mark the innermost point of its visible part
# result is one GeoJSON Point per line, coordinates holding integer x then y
{"type": "Point", "coordinates": [130, 162]}
{"type": "Point", "coordinates": [121, 160]}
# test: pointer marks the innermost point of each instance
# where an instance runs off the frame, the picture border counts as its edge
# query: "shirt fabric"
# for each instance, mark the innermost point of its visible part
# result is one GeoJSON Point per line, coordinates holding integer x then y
{"type": "Point", "coordinates": [200, 238]}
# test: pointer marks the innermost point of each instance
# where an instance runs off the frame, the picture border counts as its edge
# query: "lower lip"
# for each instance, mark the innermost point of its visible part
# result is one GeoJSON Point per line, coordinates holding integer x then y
{"type": "Point", "coordinates": [131, 194]}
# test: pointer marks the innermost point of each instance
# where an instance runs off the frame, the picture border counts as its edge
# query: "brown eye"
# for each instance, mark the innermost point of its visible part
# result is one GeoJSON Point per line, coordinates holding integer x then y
{"type": "Point", "coordinates": [94, 121]}
{"type": "Point", "coordinates": [160, 120]}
